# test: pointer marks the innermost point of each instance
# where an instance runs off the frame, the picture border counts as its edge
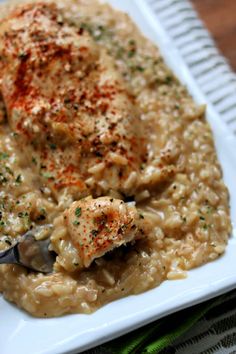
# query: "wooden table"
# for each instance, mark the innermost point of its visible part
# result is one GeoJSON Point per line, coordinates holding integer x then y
{"type": "Point", "coordinates": [219, 17]}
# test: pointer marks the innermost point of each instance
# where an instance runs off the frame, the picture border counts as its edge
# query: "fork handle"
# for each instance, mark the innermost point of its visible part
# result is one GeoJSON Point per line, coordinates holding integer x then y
{"type": "Point", "coordinates": [10, 256]}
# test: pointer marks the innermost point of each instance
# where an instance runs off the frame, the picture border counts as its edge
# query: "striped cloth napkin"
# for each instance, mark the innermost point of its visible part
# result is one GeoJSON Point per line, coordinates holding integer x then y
{"type": "Point", "coordinates": [202, 329]}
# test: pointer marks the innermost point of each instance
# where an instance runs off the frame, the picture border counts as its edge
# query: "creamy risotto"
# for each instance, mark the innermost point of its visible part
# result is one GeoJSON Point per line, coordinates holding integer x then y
{"type": "Point", "coordinates": [99, 139]}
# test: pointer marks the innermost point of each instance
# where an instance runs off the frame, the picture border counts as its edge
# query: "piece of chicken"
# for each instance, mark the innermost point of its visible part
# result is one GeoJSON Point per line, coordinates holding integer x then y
{"type": "Point", "coordinates": [93, 227]}
{"type": "Point", "coordinates": [68, 103]}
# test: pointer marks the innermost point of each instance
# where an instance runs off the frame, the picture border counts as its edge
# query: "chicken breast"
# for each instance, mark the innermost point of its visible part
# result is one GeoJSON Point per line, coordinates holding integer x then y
{"type": "Point", "coordinates": [93, 227]}
{"type": "Point", "coordinates": [68, 104]}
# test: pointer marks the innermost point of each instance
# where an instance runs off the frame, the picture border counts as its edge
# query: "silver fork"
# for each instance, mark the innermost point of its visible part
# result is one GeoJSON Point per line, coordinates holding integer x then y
{"type": "Point", "coordinates": [31, 253]}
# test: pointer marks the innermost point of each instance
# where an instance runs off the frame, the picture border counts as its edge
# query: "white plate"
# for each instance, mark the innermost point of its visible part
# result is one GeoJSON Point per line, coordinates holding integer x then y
{"type": "Point", "coordinates": [22, 334]}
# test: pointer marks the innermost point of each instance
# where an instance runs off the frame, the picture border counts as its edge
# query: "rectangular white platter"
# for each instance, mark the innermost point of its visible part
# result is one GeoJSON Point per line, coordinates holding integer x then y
{"type": "Point", "coordinates": [22, 334]}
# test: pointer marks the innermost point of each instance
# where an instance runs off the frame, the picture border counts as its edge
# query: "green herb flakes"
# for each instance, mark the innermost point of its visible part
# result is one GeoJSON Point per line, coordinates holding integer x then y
{"type": "Point", "coordinates": [53, 146]}
{"type": "Point", "coordinates": [94, 233]}
{"type": "Point", "coordinates": [78, 212]}
{"type": "Point", "coordinates": [3, 155]}
{"type": "Point", "coordinates": [47, 175]}
{"type": "Point", "coordinates": [18, 179]}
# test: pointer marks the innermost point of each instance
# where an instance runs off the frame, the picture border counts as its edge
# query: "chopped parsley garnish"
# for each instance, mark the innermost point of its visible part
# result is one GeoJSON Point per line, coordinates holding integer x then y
{"type": "Point", "coordinates": [22, 214]}
{"type": "Point", "coordinates": [139, 68]}
{"type": "Point", "coordinates": [18, 179]}
{"type": "Point", "coordinates": [47, 175]}
{"type": "Point", "coordinates": [78, 212]}
{"type": "Point", "coordinates": [3, 155]}
{"type": "Point", "coordinates": [142, 166]}
{"type": "Point", "coordinates": [168, 80]}
{"type": "Point", "coordinates": [132, 42]}
{"type": "Point", "coordinates": [99, 32]}
{"type": "Point", "coordinates": [67, 100]}
{"type": "Point", "coordinates": [9, 170]}
{"type": "Point", "coordinates": [76, 222]}
{"type": "Point", "coordinates": [87, 27]}
{"type": "Point", "coordinates": [131, 53]}
{"type": "Point", "coordinates": [34, 160]}
{"type": "Point", "coordinates": [43, 214]}
{"type": "Point", "coordinates": [3, 179]}
{"type": "Point", "coordinates": [53, 146]}
{"type": "Point", "coordinates": [94, 233]}
{"type": "Point", "coordinates": [14, 134]}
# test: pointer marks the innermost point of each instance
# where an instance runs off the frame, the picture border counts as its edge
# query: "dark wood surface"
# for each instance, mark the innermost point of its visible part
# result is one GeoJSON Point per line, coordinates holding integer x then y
{"type": "Point", "coordinates": [219, 17]}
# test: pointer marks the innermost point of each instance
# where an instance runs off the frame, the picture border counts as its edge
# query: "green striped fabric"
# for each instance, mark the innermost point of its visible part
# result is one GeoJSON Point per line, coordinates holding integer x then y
{"type": "Point", "coordinates": [206, 328]}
